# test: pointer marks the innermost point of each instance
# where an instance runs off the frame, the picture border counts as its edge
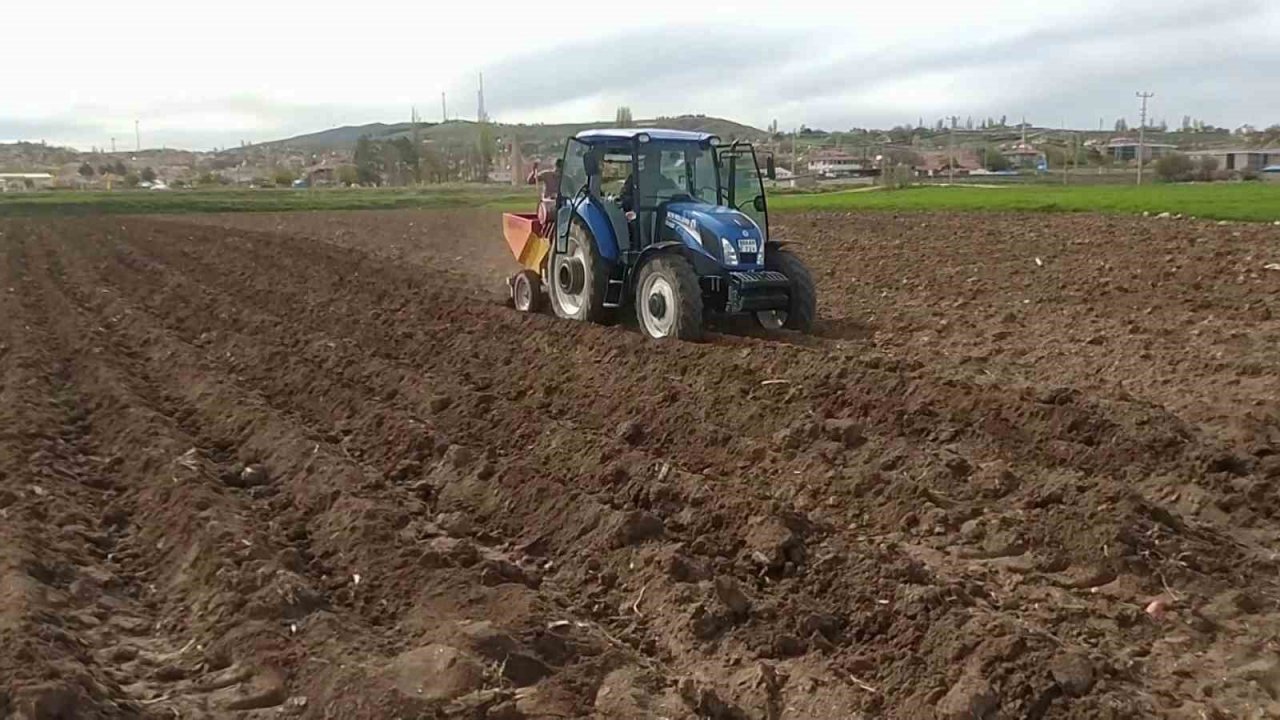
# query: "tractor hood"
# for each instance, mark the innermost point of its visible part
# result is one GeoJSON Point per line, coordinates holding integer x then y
{"type": "Point", "coordinates": [711, 226]}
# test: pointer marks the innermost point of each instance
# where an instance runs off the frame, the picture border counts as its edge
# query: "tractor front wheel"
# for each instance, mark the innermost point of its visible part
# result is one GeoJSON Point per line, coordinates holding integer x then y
{"type": "Point", "coordinates": [668, 299]}
{"type": "Point", "coordinates": [802, 309]}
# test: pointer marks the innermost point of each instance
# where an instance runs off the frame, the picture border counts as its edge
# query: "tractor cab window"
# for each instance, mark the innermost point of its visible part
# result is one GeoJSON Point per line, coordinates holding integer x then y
{"type": "Point", "coordinates": [676, 171]}
{"type": "Point", "coordinates": [614, 170]}
{"type": "Point", "coordinates": [573, 178]}
{"type": "Point", "coordinates": [703, 185]}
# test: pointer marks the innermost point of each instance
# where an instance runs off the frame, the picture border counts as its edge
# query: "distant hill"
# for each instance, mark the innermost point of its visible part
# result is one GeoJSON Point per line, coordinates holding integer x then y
{"type": "Point", "coordinates": [337, 138]}
{"type": "Point", "coordinates": [465, 132]}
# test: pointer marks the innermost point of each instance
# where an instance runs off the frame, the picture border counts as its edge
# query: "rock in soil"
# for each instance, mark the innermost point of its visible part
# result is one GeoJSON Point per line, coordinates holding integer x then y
{"type": "Point", "coordinates": [1073, 672]}
{"type": "Point", "coordinates": [685, 569]}
{"type": "Point", "coordinates": [771, 543]}
{"type": "Point", "coordinates": [631, 432]}
{"type": "Point", "coordinates": [266, 689]}
{"type": "Point", "coordinates": [636, 527]}
{"type": "Point", "coordinates": [971, 698]}
{"type": "Point", "coordinates": [435, 672]}
{"type": "Point", "coordinates": [496, 572]}
{"type": "Point", "coordinates": [848, 432]}
{"type": "Point", "coordinates": [731, 595]}
{"type": "Point", "coordinates": [457, 524]}
{"type": "Point", "coordinates": [625, 694]}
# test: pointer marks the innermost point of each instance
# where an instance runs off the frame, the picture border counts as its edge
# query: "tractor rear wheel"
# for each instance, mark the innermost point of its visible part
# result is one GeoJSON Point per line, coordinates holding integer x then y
{"type": "Point", "coordinates": [577, 277]}
{"type": "Point", "coordinates": [802, 309]}
{"type": "Point", "coordinates": [526, 291]}
{"type": "Point", "coordinates": [668, 299]}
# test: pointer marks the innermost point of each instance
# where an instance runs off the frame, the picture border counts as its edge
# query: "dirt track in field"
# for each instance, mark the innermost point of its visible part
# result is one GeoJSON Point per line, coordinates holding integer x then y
{"type": "Point", "coordinates": [309, 465]}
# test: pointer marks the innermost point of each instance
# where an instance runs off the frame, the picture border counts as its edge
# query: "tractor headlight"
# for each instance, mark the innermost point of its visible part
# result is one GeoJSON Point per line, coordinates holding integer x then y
{"type": "Point", "coordinates": [729, 252]}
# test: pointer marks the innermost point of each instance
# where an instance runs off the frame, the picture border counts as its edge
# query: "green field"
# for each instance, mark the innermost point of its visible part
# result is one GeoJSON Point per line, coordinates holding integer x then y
{"type": "Point", "coordinates": [1221, 201]}
{"type": "Point", "coordinates": [260, 200]}
{"type": "Point", "coordinates": [1258, 201]}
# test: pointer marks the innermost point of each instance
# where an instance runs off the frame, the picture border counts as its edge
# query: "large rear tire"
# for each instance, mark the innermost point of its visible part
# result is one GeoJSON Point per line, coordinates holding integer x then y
{"type": "Point", "coordinates": [577, 278]}
{"type": "Point", "coordinates": [803, 307]}
{"type": "Point", "coordinates": [668, 299]}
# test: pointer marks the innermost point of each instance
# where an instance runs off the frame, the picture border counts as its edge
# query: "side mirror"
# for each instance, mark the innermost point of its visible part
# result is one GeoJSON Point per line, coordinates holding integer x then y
{"type": "Point", "coordinates": [769, 171]}
{"type": "Point", "coordinates": [758, 203]}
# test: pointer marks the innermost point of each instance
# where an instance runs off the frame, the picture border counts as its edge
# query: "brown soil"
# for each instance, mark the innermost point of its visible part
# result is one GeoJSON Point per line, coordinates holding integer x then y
{"type": "Point", "coordinates": [311, 466]}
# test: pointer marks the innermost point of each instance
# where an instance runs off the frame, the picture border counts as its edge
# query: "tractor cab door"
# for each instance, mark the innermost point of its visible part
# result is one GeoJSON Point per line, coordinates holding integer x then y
{"type": "Point", "coordinates": [744, 188]}
{"type": "Point", "coordinates": [573, 187]}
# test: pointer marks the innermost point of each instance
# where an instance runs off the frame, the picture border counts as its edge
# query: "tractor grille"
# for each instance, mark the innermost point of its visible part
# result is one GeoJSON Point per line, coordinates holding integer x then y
{"type": "Point", "coordinates": [757, 290]}
{"type": "Point", "coordinates": [759, 278]}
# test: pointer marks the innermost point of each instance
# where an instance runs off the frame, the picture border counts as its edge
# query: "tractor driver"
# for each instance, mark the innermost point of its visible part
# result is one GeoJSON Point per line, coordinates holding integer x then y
{"type": "Point", "coordinates": [550, 181]}
{"type": "Point", "coordinates": [662, 186]}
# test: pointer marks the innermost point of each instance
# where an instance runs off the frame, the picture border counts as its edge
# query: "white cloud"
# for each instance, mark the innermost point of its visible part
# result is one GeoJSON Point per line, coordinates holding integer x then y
{"type": "Point", "coordinates": [214, 74]}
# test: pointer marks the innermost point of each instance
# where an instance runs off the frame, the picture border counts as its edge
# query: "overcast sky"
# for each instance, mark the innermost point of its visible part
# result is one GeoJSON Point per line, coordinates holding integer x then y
{"type": "Point", "coordinates": [202, 75]}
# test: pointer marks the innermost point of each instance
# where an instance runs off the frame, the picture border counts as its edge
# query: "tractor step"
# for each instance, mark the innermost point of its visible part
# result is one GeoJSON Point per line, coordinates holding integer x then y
{"type": "Point", "coordinates": [615, 288]}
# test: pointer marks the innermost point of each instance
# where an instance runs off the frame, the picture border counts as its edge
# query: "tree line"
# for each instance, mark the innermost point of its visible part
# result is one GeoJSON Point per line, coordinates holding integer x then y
{"type": "Point", "coordinates": [400, 161]}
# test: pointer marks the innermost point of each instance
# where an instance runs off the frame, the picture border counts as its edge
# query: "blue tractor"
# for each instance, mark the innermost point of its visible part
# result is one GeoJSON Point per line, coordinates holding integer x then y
{"type": "Point", "coordinates": [672, 223]}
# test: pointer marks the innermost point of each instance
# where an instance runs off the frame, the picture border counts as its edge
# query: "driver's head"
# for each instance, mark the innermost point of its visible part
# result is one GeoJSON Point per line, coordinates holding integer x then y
{"type": "Point", "coordinates": [650, 161]}
{"type": "Point", "coordinates": [559, 164]}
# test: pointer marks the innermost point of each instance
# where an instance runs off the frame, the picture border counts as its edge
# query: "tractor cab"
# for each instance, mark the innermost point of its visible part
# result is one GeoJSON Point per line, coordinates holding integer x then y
{"type": "Point", "coordinates": [653, 184]}
{"type": "Point", "coordinates": [673, 223]}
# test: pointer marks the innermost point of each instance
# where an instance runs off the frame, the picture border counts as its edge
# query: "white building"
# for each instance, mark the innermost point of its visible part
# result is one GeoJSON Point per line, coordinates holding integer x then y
{"type": "Point", "coordinates": [1244, 159]}
{"type": "Point", "coordinates": [18, 182]}
{"type": "Point", "coordinates": [835, 163]}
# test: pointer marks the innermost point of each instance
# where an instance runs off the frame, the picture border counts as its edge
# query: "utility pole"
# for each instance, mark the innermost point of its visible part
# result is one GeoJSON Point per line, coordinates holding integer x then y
{"type": "Point", "coordinates": [481, 115]}
{"type": "Point", "coordinates": [137, 136]}
{"type": "Point", "coordinates": [516, 162]}
{"type": "Point", "coordinates": [417, 146]}
{"type": "Point", "coordinates": [794, 157]}
{"type": "Point", "coordinates": [113, 146]}
{"type": "Point", "coordinates": [1065, 161]}
{"type": "Point", "coordinates": [951, 155]}
{"type": "Point", "coordinates": [1142, 132]}
{"type": "Point", "coordinates": [444, 110]}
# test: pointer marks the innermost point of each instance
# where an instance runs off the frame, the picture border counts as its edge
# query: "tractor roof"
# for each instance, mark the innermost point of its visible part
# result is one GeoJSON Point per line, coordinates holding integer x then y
{"type": "Point", "coordinates": [605, 134]}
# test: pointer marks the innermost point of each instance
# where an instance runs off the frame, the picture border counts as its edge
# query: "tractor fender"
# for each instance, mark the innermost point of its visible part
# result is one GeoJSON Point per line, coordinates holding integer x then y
{"type": "Point", "coordinates": [658, 248]}
{"type": "Point", "coordinates": [654, 250]}
{"type": "Point", "coordinates": [776, 244]}
{"type": "Point", "coordinates": [601, 229]}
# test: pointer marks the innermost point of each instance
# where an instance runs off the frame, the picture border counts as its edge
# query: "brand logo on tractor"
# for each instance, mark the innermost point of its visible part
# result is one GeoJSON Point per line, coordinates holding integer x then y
{"type": "Point", "coordinates": [689, 225]}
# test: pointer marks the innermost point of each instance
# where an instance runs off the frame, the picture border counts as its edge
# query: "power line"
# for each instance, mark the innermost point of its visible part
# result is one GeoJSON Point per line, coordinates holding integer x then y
{"type": "Point", "coordinates": [1142, 132]}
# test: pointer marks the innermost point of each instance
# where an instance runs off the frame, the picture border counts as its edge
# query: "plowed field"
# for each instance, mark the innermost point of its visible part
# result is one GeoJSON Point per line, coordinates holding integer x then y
{"type": "Point", "coordinates": [310, 465]}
